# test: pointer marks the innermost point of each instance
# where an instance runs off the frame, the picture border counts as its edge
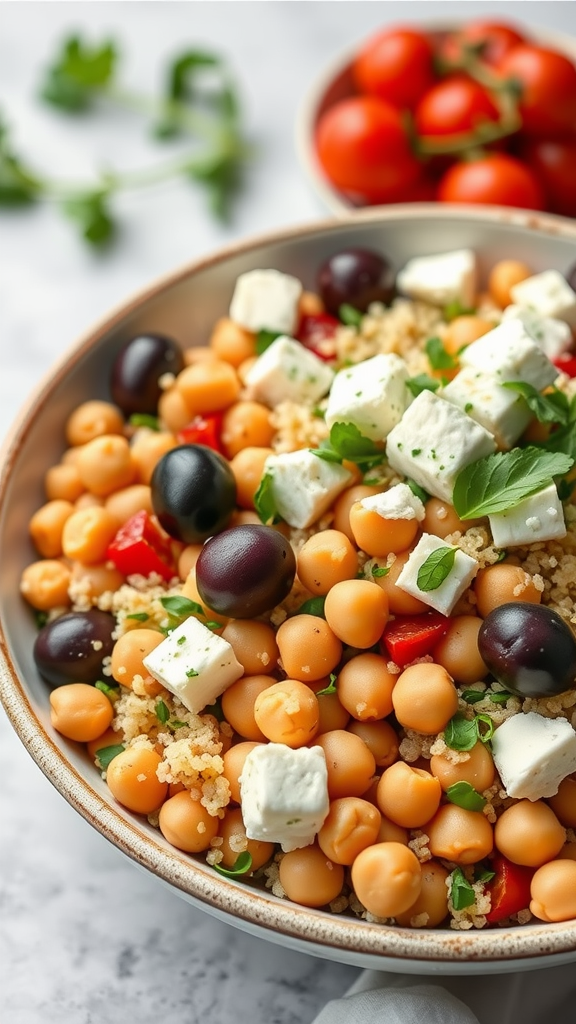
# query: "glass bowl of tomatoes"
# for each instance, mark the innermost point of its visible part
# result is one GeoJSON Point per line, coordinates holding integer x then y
{"type": "Point", "coordinates": [481, 112]}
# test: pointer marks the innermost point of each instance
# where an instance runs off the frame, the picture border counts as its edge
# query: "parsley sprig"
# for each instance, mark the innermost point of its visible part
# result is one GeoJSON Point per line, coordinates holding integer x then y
{"type": "Point", "coordinates": [498, 482]}
{"type": "Point", "coordinates": [346, 442]}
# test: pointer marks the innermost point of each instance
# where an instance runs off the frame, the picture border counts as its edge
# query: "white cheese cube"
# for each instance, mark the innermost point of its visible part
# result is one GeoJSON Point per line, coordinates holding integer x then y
{"type": "Point", "coordinates": [548, 294]}
{"type": "Point", "coordinates": [266, 300]}
{"type": "Point", "coordinates": [440, 279]}
{"type": "Point", "coordinates": [444, 597]}
{"type": "Point", "coordinates": [538, 517]}
{"type": "Point", "coordinates": [533, 754]}
{"type": "Point", "coordinates": [434, 441]}
{"type": "Point", "coordinates": [284, 794]}
{"type": "Point", "coordinates": [194, 664]}
{"type": "Point", "coordinates": [398, 502]}
{"type": "Point", "coordinates": [287, 371]}
{"type": "Point", "coordinates": [509, 353]}
{"type": "Point", "coordinates": [554, 336]}
{"type": "Point", "coordinates": [372, 395]}
{"type": "Point", "coordinates": [502, 412]}
{"type": "Point", "coordinates": [304, 486]}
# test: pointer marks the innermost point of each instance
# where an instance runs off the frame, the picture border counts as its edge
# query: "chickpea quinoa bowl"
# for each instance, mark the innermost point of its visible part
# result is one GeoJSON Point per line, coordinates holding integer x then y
{"type": "Point", "coordinates": [289, 586]}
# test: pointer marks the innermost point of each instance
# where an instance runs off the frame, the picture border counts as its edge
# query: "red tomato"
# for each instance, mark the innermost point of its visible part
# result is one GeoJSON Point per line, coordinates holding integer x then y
{"type": "Point", "coordinates": [509, 890]}
{"type": "Point", "coordinates": [408, 637]}
{"type": "Point", "coordinates": [203, 429]}
{"type": "Point", "coordinates": [454, 106]}
{"type": "Point", "coordinates": [316, 332]}
{"type": "Point", "coordinates": [496, 178]}
{"type": "Point", "coordinates": [548, 83]}
{"type": "Point", "coordinates": [140, 547]}
{"type": "Point", "coordinates": [363, 147]}
{"type": "Point", "coordinates": [566, 363]}
{"type": "Point", "coordinates": [490, 39]}
{"type": "Point", "coordinates": [554, 163]}
{"type": "Point", "coordinates": [395, 66]}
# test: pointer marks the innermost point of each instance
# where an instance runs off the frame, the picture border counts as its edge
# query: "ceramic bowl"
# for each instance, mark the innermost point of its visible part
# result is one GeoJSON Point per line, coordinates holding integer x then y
{"type": "Point", "coordinates": [185, 305]}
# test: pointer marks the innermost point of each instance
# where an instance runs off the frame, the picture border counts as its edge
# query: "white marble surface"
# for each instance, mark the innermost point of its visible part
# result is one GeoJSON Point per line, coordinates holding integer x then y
{"type": "Point", "coordinates": [84, 936]}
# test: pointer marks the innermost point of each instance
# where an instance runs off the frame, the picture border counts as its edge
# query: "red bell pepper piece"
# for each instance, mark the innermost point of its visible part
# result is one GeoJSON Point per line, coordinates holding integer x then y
{"type": "Point", "coordinates": [316, 331]}
{"type": "Point", "coordinates": [566, 363]}
{"type": "Point", "coordinates": [140, 548]}
{"type": "Point", "coordinates": [203, 429]}
{"type": "Point", "coordinates": [509, 889]}
{"type": "Point", "coordinates": [408, 637]}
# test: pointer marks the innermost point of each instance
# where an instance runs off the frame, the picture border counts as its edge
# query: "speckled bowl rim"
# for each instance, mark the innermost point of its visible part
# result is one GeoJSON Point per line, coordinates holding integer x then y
{"type": "Point", "coordinates": [319, 932]}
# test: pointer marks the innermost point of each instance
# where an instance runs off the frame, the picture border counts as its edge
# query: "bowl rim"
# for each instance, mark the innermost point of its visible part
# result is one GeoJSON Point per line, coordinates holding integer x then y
{"type": "Point", "coordinates": [323, 933]}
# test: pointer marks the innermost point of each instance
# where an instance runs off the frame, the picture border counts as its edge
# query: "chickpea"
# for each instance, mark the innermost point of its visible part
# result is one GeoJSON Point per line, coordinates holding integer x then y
{"type": "Point", "coordinates": [234, 759]}
{"type": "Point", "coordinates": [63, 482]}
{"type": "Point", "coordinates": [232, 343]}
{"type": "Point", "coordinates": [408, 796]}
{"type": "Point", "coordinates": [381, 740]}
{"type": "Point", "coordinates": [45, 584]}
{"type": "Point", "coordinates": [387, 878]}
{"type": "Point", "coordinates": [87, 534]}
{"type": "Point", "coordinates": [133, 782]}
{"type": "Point", "coordinates": [478, 769]}
{"type": "Point", "coordinates": [308, 648]}
{"type": "Point", "coordinates": [246, 425]}
{"type": "Point", "coordinates": [248, 468]}
{"type": "Point", "coordinates": [365, 687]}
{"type": "Point", "coordinates": [500, 583]}
{"type": "Point", "coordinates": [564, 802]}
{"type": "Point", "coordinates": [208, 386]}
{"type": "Point", "coordinates": [344, 503]}
{"type": "Point", "coordinates": [109, 738]}
{"type": "Point", "coordinates": [88, 500]}
{"type": "Point", "coordinates": [503, 276]}
{"type": "Point", "coordinates": [238, 705]}
{"type": "Point", "coordinates": [173, 411]}
{"type": "Point", "coordinates": [568, 852]}
{"type": "Point", "coordinates": [287, 712]}
{"type": "Point", "coordinates": [459, 835]}
{"type": "Point", "coordinates": [128, 653]}
{"type": "Point", "coordinates": [325, 559]}
{"type": "Point", "coordinates": [147, 449]}
{"type": "Point", "coordinates": [463, 330]}
{"type": "Point", "coordinates": [310, 304]}
{"type": "Point", "coordinates": [528, 832]}
{"type": "Point", "coordinates": [125, 503]}
{"type": "Point", "coordinates": [440, 519]}
{"type": "Point", "coordinates": [186, 824]}
{"type": "Point", "coordinates": [390, 832]}
{"type": "Point", "coordinates": [357, 611]}
{"type": "Point", "coordinates": [553, 891]}
{"type": "Point", "coordinates": [235, 842]}
{"type": "Point", "coordinates": [349, 763]}
{"type": "Point", "coordinates": [187, 559]}
{"type": "Point", "coordinates": [424, 698]}
{"type": "Point", "coordinates": [197, 354]}
{"type": "Point", "coordinates": [254, 644]}
{"type": "Point", "coordinates": [80, 712]}
{"type": "Point", "coordinates": [46, 526]}
{"type": "Point", "coordinates": [458, 652]}
{"type": "Point", "coordinates": [399, 602]}
{"type": "Point", "coordinates": [379, 536]}
{"type": "Point", "coordinates": [432, 901]}
{"type": "Point", "coordinates": [105, 465]}
{"type": "Point", "coordinates": [93, 419]}
{"type": "Point", "coordinates": [331, 713]}
{"type": "Point", "coordinates": [95, 580]}
{"type": "Point", "coordinates": [352, 825]}
{"type": "Point", "coordinates": [309, 878]}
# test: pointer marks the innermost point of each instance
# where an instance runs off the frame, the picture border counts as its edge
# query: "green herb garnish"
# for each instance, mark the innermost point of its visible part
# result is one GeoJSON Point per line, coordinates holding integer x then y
{"type": "Point", "coordinates": [499, 696]}
{"type": "Point", "coordinates": [191, 672]}
{"type": "Point", "coordinates": [214, 709]}
{"type": "Point", "coordinates": [461, 733]}
{"type": "Point", "coordinates": [379, 571]}
{"type": "Point", "coordinates": [349, 315]}
{"type": "Point", "coordinates": [498, 482]}
{"type": "Point", "coordinates": [107, 754]}
{"type": "Point", "coordinates": [438, 357]}
{"type": "Point", "coordinates": [111, 691]}
{"type": "Point", "coordinates": [551, 408]}
{"type": "Point", "coordinates": [483, 874]}
{"type": "Point", "coordinates": [242, 865]}
{"type": "Point", "coordinates": [264, 502]}
{"type": "Point", "coordinates": [436, 568]}
{"type": "Point", "coordinates": [328, 689]}
{"type": "Point", "coordinates": [454, 309]}
{"type": "Point", "coordinates": [346, 442]}
{"type": "Point", "coordinates": [181, 607]}
{"type": "Point", "coordinates": [472, 696]}
{"type": "Point", "coordinates": [313, 606]}
{"type": "Point", "coordinates": [144, 419]}
{"type": "Point", "coordinates": [464, 795]}
{"type": "Point", "coordinates": [139, 616]}
{"type": "Point", "coordinates": [422, 382]}
{"type": "Point", "coordinates": [264, 339]}
{"type": "Point", "coordinates": [418, 491]}
{"type": "Point", "coordinates": [462, 893]}
{"type": "Point", "coordinates": [211, 624]}
{"type": "Point", "coordinates": [162, 712]}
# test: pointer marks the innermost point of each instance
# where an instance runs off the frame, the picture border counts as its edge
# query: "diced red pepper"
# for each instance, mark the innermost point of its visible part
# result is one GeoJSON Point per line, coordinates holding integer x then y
{"type": "Point", "coordinates": [316, 332]}
{"type": "Point", "coordinates": [408, 637]}
{"type": "Point", "coordinates": [203, 430]}
{"type": "Point", "coordinates": [566, 363]}
{"type": "Point", "coordinates": [140, 548]}
{"type": "Point", "coordinates": [509, 889]}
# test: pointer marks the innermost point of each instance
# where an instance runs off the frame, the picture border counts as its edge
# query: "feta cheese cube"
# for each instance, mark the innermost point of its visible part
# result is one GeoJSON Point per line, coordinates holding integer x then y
{"type": "Point", "coordinates": [284, 794]}
{"type": "Point", "coordinates": [266, 300]}
{"type": "Point", "coordinates": [287, 371]}
{"type": "Point", "coordinates": [444, 597]}
{"type": "Point", "coordinates": [398, 502]}
{"type": "Point", "coordinates": [434, 441]}
{"type": "Point", "coordinates": [194, 664]}
{"type": "Point", "coordinates": [304, 485]}
{"type": "Point", "coordinates": [502, 412]}
{"type": "Point", "coordinates": [372, 395]}
{"type": "Point", "coordinates": [509, 352]}
{"type": "Point", "coordinates": [533, 754]}
{"type": "Point", "coordinates": [548, 294]}
{"type": "Point", "coordinates": [554, 336]}
{"type": "Point", "coordinates": [440, 279]}
{"type": "Point", "coordinates": [537, 518]}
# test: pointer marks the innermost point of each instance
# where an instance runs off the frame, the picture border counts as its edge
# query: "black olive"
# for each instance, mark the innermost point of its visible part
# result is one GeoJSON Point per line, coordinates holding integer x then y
{"type": "Point", "coordinates": [355, 277]}
{"type": "Point", "coordinates": [137, 370]}
{"type": "Point", "coordinates": [245, 571]}
{"type": "Point", "coordinates": [193, 492]}
{"type": "Point", "coordinates": [71, 648]}
{"type": "Point", "coordinates": [529, 648]}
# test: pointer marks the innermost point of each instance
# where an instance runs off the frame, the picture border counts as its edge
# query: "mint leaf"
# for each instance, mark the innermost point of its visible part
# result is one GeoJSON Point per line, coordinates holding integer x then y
{"type": "Point", "coordinates": [139, 616]}
{"type": "Point", "coordinates": [77, 73]}
{"type": "Point", "coordinates": [498, 482]}
{"type": "Point", "coordinates": [464, 795]}
{"type": "Point", "coordinates": [349, 315]}
{"type": "Point", "coordinates": [438, 357]}
{"type": "Point", "coordinates": [107, 754]}
{"type": "Point", "coordinates": [551, 408]}
{"type": "Point", "coordinates": [422, 382]}
{"type": "Point", "coordinates": [472, 696]}
{"type": "Point", "coordinates": [436, 568]}
{"type": "Point", "coordinates": [91, 213]}
{"type": "Point", "coordinates": [264, 502]}
{"type": "Point", "coordinates": [347, 442]}
{"type": "Point", "coordinates": [313, 606]}
{"type": "Point", "coordinates": [181, 607]}
{"type": "Point", "coordinates": [264, 339]}
{"type": "Point", "coordinates": [379, 571]}
{"type": "Point", "coordinates": [462, 893]}
{"type": "Point", "coordinates": [461, 733]}
{"type": "Point", "coordinates": [242, 865]}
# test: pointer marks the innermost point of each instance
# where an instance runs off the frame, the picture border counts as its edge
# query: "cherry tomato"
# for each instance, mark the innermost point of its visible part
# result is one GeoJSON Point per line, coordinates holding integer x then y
{"type": "Point", "coordinates": [203, 429]}
{"type": "Point", "coordinates": [395, 66]}
{"type": "Point", "coordinates": [491, 40]}
{"type": "Point", "coordinates": [496, 178]}
{"type": "Point", "coordinates": [454, 106]}
{"type": "Point", "coordinates": [554, 163]}
{"type": "Point", "coordinates": [548, 83]}
{"type": "Point", "coordinates": [316, 331]}
{"type": "Point", "coordinates": [509, 890]}
{"type": "Point", "coordinates": [363, 147]}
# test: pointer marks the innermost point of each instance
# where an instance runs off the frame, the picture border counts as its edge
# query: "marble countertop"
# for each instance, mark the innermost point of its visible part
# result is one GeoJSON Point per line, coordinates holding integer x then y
{"type": "Point", "coordinates": [84, 936]}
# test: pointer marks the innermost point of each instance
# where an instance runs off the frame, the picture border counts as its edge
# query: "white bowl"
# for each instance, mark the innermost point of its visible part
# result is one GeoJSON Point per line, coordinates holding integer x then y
{"type": "Point", "coordinates": [185, 305]}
